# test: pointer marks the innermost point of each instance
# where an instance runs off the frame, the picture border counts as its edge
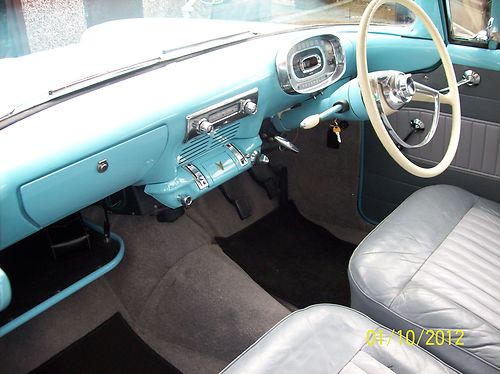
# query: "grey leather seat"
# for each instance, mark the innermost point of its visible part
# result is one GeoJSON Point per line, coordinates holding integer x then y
{"type": "Point", "coordinates": [434, 263]}
{"type": "Point", "coordinates": [332, 339]}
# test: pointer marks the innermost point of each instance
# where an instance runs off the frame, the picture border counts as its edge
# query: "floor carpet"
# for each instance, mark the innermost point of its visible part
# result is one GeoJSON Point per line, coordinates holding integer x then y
{"type": "Point", "coordinates": [293, 258]}
{"type": "Point", "coordinates": [112, 347]}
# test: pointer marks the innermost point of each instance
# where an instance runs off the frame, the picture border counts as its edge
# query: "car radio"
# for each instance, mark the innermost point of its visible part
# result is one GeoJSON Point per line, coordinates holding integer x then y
{"type": "Point", "coordinates": [207, 120]}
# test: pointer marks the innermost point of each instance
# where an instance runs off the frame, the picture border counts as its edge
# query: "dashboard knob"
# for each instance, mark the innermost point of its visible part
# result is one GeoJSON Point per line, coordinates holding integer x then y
{"type": "Point", "coordinates": [249, 107]}
{"type": "Point", "coordinates": [204, 126]}
{"type": "Point", "coordinates": [263, 159]}
{"type": "Point", "coordinates": [185, 200]}
{"type": "Point", "coordinates": [258, 158]}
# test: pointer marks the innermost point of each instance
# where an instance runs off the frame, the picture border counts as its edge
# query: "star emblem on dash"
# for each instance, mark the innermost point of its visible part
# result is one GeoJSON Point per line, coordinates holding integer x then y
{"type": "Point", "coordinates": [220, 165]}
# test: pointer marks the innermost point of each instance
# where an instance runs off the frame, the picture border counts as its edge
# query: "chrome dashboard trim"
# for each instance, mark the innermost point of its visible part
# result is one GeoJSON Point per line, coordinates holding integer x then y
{"type": "Point", "coordinates": [199, 178]}
{"type": "Point", "coordinates": [87, 83]}
{"type": "Point", "coordinates": [238, 154]}
{"type": "Point", "coordinates": [315, 67]}
{"type": "Point", "coordinates": [193, 120]}
{"type": "Point", "coordinates": [286, 76]}
{"type": "Point", "coordinates": [27, 109]}
{"type": "Point", "coordinates": [322, 57]}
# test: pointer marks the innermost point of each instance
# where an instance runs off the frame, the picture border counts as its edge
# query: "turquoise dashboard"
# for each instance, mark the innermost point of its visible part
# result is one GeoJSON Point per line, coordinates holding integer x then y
{"type": "Point", "coordinates": [179, 130]}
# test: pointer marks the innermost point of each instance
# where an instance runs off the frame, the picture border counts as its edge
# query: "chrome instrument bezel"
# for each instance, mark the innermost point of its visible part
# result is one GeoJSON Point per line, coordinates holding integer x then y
{"type": "Point", "coordinates": [291, 83]}
{"type": "Point", "coordinates": [316, 56]}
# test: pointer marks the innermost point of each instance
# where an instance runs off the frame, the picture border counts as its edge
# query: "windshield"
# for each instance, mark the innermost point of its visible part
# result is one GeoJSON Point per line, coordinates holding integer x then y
{"type": "Point", "coordinates": [28, 26]}
{"type": "Point", "coordinates": [49, 48]}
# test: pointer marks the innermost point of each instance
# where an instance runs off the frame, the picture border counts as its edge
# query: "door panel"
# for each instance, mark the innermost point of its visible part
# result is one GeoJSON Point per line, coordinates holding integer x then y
{"type": "Point", "coordinates": [478, 102]}
{"type": "Point", "coordinates": [476, 166]}
{"type": "Point", "coordinates": [478, 151]}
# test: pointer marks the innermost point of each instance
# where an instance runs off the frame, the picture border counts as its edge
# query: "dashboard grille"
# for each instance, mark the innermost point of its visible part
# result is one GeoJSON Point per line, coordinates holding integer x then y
{"type": "Point", "coordinates": [204, 143]}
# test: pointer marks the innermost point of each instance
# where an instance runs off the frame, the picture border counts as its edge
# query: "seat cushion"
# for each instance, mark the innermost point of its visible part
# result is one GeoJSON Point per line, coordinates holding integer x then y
{"type": "Point", "coordinates": [434, 264]}
{"type": "Point", "coordinates": [332, 339]}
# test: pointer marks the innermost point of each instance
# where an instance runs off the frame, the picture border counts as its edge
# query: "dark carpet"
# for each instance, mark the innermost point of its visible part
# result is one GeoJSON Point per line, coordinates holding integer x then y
{"type": "Point", "coordinates": [293, 258]}
{"type": "Point", "coordinates": [113, 347]}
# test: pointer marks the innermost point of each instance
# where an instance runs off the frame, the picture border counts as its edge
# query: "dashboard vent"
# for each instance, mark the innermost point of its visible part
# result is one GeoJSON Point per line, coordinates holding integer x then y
{"type": "Point", "coordinates": [204, 143]}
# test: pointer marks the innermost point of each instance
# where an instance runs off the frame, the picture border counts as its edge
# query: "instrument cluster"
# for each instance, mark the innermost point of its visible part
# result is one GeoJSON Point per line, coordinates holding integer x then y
{"type": "Point", "coordinates": [311, 64]}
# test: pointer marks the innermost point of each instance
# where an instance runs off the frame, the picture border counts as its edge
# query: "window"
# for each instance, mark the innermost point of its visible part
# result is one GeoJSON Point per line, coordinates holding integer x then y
{"type": "Point", "coordinates": [469, 20]}
{"type": "Point", "coordinates": [28, 26]}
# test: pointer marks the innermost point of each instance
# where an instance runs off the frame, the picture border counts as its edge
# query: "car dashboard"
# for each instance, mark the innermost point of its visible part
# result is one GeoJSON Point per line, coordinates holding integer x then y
{"type": "Point", "coordinates": [179, 130]}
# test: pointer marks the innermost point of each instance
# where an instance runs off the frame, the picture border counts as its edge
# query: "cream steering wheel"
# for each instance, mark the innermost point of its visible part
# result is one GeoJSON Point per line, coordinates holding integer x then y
{"type": "Point", "coordinates": [388, 91]}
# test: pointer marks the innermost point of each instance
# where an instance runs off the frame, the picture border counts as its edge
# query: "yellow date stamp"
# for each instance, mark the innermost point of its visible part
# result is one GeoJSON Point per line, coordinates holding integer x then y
{"type": "Point", "coordinates": [411, 337]}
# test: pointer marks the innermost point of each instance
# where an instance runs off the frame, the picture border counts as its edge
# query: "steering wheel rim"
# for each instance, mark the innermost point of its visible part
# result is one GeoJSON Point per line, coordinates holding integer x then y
{"type": "Point", "coordinates": [452, 97]}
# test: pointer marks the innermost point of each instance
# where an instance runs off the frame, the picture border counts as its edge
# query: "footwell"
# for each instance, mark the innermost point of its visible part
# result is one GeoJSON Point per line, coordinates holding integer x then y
{"type": "Point", "coordinates": [113, 347]}
{"type": "Point", "coordinates": [293, 258]}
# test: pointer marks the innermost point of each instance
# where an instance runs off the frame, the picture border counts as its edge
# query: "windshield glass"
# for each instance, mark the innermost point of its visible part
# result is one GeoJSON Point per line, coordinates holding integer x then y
{"type": "Point", "coordinates": [28, 26]}
{"type": "Point", "coordinates": [49, 48]}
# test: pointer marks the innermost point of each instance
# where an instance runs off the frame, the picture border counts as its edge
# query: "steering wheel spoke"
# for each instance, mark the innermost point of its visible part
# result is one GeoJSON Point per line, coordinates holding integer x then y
{"type": "Point", "coordinates": [428, 94]}
{"type": "Point", "coordinates": [425, 90]}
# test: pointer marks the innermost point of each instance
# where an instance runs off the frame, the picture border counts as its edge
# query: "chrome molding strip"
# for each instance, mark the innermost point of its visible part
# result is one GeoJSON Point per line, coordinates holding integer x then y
{"type": "Point", "coordinates": [238, 154]}
{"type": "Point", "coordinates": [199, 178]}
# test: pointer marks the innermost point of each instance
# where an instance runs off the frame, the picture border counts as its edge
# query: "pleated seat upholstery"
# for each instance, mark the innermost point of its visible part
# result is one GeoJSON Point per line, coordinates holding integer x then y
{"type": "Point", "coordinates": [434, 264]}
{"type": "Point", "coordinates": [330, 338]}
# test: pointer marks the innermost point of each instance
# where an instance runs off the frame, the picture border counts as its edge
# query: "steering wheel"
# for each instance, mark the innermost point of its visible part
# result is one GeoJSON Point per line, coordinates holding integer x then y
{"type": "Point", "coordinates": [384, 92]}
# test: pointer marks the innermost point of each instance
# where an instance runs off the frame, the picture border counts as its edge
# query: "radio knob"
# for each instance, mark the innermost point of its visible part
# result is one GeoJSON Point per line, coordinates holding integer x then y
{"type": "Point", "coordinates": [204, 127]}
{"type": "Point", "coordinates": [249, 107]}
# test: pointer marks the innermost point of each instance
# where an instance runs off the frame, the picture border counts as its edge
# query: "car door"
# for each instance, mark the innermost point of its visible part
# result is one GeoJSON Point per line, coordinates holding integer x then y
{"type": "Point", "coordinates": [472, 45]}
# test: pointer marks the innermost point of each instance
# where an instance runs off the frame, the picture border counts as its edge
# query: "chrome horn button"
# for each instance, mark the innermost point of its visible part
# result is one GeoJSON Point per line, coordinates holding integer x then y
{"type": "Point", "coordinates": [398, 88]}
{"type": "Point", "coordinates": [405, 87]}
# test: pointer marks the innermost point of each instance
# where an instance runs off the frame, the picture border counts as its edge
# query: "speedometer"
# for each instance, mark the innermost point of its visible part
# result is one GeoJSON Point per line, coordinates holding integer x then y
{"type": "Point", "coordinates": [311, 64]}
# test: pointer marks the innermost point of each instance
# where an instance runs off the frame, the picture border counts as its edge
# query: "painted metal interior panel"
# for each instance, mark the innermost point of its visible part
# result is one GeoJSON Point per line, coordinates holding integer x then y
{"type": "Point", "coordinates": [51, 197]}
{"type": "Point", "coordinates": [70, 131]}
